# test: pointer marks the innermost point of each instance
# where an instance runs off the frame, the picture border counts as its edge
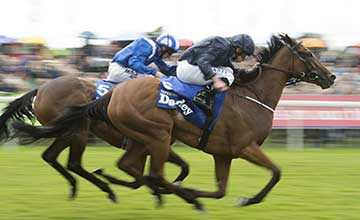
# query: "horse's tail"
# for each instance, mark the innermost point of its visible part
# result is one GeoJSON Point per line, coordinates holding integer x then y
{"type": "Point", "coordinates": [20, 109]}
{"type": "Point", "coordinates": [71, 122]}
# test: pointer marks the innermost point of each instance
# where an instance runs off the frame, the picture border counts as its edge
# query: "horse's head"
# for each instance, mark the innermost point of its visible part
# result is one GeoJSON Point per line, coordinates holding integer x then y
{"type": "Point", "coordinates": [307, 66]}
{"type": "Point", "coordinates": [301, 64]}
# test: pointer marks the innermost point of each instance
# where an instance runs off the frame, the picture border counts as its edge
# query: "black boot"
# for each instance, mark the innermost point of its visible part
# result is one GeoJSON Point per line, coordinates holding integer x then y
{"type": "Point", "coordinates": [204, 99]}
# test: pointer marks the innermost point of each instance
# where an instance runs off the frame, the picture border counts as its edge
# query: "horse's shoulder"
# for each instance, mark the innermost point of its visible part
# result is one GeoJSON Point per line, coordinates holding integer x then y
{"type": "Point", "coordinates": [145, 83]}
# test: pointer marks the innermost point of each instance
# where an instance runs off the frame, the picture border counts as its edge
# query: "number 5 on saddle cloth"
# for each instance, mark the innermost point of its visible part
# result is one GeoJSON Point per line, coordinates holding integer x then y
{"type": "Point", "coordinates": [103, 87]}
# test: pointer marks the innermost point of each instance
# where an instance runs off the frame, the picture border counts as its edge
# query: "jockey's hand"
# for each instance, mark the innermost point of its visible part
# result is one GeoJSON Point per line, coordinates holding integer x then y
{"type": "Point", "coordinates": [158, 74]}
{"type": "Point", "coordinates": [256, 65]}
{"type": "Point", "coordinates": [219, 85]}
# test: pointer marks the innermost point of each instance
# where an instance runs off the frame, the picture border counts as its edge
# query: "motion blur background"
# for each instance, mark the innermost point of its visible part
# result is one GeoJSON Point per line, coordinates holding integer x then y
{"type": "Point", "coordinates": [41, 40]}
{"type": "Point", "coordinates": [316, 144]}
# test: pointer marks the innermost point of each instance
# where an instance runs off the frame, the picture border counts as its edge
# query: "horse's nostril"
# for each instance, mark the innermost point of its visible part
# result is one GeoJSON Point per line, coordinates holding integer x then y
{"type": "Point", "coordinates": [333, 77]}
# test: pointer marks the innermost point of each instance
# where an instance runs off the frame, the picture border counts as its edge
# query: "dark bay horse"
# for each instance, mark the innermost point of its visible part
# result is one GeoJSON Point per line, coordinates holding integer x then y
{"type": "Point", "coordinates": [51, 99]}
{"type": "Point", "coordinates": [242, 127]}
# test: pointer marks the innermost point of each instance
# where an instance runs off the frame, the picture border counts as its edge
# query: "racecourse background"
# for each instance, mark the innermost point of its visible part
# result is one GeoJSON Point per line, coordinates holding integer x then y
{"type": "Point", "coordinates": [319, 162]}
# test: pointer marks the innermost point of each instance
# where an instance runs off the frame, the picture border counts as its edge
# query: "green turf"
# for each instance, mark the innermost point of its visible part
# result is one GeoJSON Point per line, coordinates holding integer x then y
{"type": "Point", "coordinates": [315, 184]}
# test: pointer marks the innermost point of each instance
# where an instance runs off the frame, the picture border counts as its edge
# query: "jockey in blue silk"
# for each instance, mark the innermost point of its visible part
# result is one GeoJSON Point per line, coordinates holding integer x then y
{"type": "Point", "coordinates": [133, 60]}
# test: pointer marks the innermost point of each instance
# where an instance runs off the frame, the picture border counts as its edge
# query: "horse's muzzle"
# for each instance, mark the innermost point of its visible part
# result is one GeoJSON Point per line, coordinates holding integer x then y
{"type": "Point", "coordinates": [327, 81]}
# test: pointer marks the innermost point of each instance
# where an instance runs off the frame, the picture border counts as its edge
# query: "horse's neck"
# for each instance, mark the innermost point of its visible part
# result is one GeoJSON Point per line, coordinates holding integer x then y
{"type": "Point", "coordinates": [271, 83]}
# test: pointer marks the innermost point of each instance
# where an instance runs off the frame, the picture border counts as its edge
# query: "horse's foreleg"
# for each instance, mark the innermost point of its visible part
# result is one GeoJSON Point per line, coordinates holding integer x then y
{"type": "Point", "coordinates": [51, 154]}
{"type": "Point", "coordinates": [77, 147]}
{"type": "Point", "coordinates": [254, 154]}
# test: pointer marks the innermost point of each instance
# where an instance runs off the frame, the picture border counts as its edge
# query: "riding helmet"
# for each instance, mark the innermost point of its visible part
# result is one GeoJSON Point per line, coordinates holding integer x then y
{"type": "Point", "coordinates": [244, 42]}
{"type": "Point", "coordinates": [168, 41]}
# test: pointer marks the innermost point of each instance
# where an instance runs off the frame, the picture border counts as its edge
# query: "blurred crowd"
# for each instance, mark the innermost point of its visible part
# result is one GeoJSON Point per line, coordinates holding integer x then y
{"type": "Point", "coordinates": [26, 66]}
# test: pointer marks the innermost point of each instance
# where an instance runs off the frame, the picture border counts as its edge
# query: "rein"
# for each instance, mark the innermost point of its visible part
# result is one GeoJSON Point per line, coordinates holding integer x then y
{"type": "Point", "coordinates": [259, 103]}
{"type": "Point", "coordinates": [255, 101]}
{"type": "Point", "coordinates": [290, 81]}
{"type": "Point", "coordinates": [269, 66]}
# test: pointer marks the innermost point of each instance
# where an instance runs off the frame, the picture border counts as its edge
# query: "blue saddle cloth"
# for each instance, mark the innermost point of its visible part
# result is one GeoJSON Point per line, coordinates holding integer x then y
{"type": "Point", "coordinates": [174, 94]}
{"type": "Point", "coordinates": [103, 87]}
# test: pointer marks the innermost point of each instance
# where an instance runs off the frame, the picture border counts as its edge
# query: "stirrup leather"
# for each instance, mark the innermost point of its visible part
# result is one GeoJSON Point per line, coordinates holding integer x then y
{"type": "Point", "coordinates": [204, 101]}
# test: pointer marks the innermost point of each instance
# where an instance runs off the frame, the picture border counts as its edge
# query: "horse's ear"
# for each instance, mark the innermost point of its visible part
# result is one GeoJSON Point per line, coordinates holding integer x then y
{"type": "Point", "coordinates": [286, 38]}
{"type": "Point", "coordinates": [290, 39]}
{"type": "Point", "coordinates": [283, 38]}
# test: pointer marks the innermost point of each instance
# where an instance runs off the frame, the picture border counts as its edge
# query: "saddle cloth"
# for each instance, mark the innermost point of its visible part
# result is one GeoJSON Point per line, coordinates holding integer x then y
{"type": "Point", "coordinates": [175, 94]}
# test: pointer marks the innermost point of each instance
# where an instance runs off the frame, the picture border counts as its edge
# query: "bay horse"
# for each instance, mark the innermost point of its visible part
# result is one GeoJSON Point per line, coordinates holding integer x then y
{"type": "Point", "coordinates": [51, 99]}
{"type": "Point", "coordinates": [243, 124]}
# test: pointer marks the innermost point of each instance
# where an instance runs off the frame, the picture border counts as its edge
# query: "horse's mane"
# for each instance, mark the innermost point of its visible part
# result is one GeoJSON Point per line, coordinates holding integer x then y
{"type": "Point", "coordinates": [274, 45]}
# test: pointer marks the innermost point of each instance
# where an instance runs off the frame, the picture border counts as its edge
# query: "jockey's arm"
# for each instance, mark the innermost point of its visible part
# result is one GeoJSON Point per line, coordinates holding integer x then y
{"type": "Point", "coordinates": [136, 63]}
{"type": "Point", "coordinates": [158, 74]}
{"type": "Point", "coordinates": [165, 68]}
{"type": "Point", "coordinates": [205, 67]}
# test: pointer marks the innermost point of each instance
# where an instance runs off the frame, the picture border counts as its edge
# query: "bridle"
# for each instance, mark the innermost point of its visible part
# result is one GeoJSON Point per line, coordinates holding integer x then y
{"type": "Point", "coordinates": [296, 77]}
{"type": "Point", "coordinates": [310, 72]}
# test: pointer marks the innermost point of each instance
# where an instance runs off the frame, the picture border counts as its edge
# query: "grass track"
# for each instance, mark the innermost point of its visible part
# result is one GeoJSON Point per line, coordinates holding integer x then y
{"type": "Point", "coordinates": [315, 184]}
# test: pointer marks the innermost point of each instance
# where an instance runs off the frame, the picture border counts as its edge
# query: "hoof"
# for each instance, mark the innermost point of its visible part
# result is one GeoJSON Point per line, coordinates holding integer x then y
{"type": "Point", "coordinates": [72, 194]}
{"type": "Point", "coordinates": [177, 183]}
{"type": "Point", "coordinates": [159, 201]}
{"type": "Point", "coordinates": [199, 207]}
{"type": "Point", "coordinates": [242, 201]}
{"type": "Point", "coordinates": [112, 198]}
{"type": "Point", "coordinates": [98, 171]}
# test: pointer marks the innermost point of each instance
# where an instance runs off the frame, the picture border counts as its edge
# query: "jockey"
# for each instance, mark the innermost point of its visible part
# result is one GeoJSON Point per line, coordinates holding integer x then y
{"type": "Point", "coordinates": [208, 63]}
{"type": "Point", "coordinates": [133, 60]}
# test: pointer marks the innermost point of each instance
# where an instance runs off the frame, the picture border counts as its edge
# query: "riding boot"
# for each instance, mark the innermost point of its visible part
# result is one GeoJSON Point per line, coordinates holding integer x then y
{"type": "Point", "coordinates": [204, 99]}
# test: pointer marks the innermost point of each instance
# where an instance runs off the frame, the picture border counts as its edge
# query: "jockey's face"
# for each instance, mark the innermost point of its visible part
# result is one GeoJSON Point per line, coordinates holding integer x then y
{"type": "Point", "coordinates": [165, 52]}
{"type": "Point", "coordinates": [239, 55]}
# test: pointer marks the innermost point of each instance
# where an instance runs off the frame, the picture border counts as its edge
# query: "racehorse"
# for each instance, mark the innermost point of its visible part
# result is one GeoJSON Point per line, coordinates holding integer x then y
{"type": "Point", "coordinates": [51, 99]}
{"type": "Point", "coordinates": [243, 124]}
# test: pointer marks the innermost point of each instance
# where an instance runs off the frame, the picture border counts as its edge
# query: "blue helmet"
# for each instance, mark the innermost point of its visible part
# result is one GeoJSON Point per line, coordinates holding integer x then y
{"type": "Point", "coordinates": [244, 42]}
{"type": "Point", "coordinates": [169, 42]}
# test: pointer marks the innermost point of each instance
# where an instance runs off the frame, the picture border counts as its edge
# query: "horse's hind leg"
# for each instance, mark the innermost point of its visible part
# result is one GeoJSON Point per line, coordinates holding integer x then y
{"type": "Point", "coordinates": [176, 159]}
{"type": "Point", "coordinates": [222, 168]}
{"type": "Point", "coordinates": [132, 162]}
{"type": "Point", "coordinates": [77, 147]}
{"type": "Point", "coordinates": [255, 155]}
{"type": "Point", "coordinates": [159, 152]}
{"type": "Point", "coordinates": [51, 154]}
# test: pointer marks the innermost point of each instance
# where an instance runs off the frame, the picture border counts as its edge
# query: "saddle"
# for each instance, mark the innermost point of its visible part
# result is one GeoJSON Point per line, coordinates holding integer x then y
{"type": "Point", "coordinates": [175, 94]}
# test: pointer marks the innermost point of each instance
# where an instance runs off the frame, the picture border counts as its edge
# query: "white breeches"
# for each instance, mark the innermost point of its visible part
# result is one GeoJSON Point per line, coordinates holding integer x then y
{"type": "Point", "coordinates": [119, 73]}
{"type": "Point", "coordinates": [192, 74]}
